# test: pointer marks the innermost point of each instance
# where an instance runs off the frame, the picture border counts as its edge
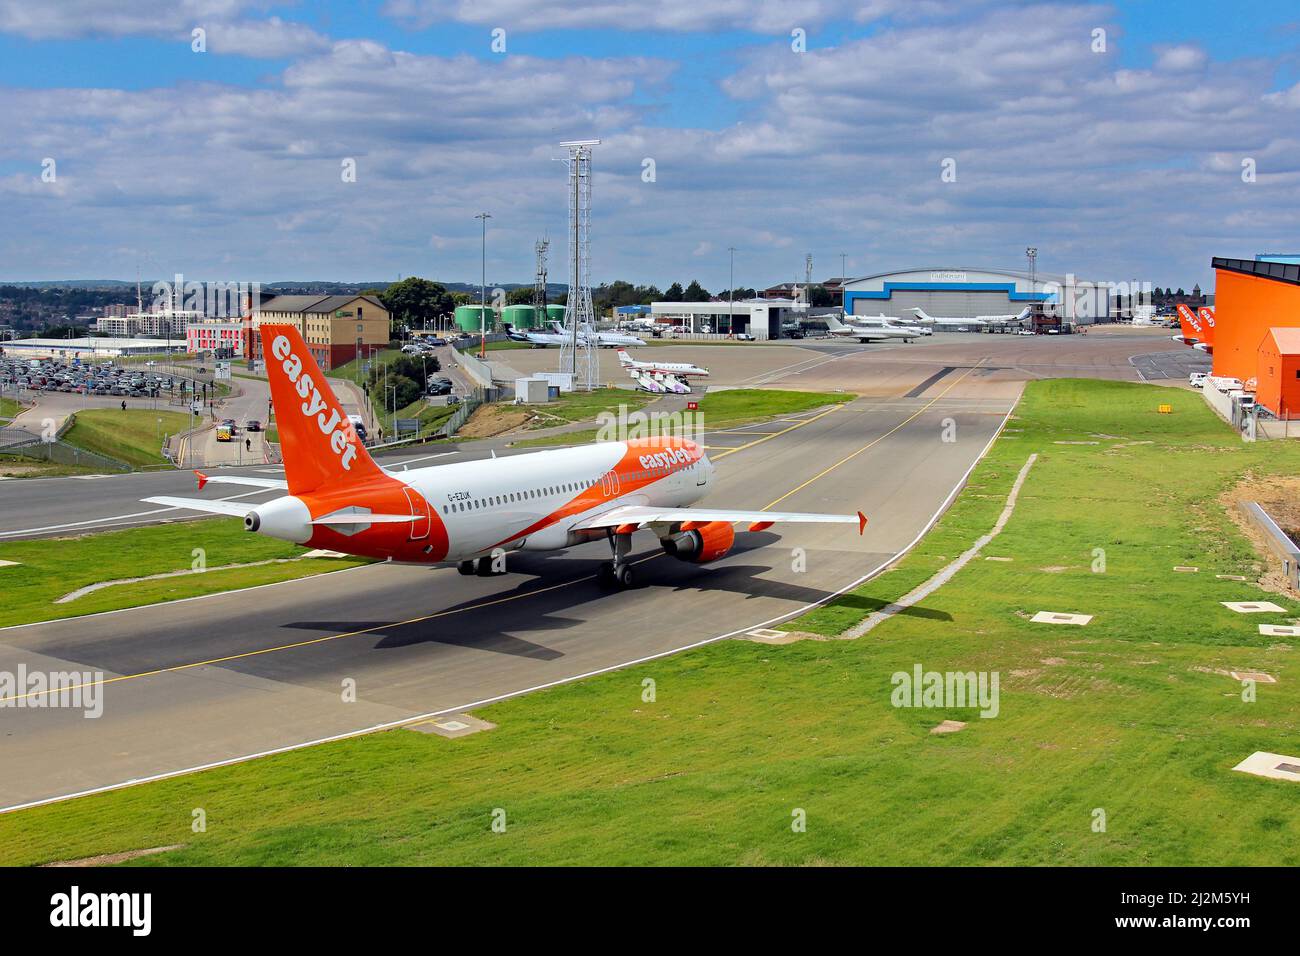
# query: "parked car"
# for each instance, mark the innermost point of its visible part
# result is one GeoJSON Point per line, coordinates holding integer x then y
{"type": "Point", "coordinates": [1197, 379]}
{"type": "Point", "coordinates": [253, 425]}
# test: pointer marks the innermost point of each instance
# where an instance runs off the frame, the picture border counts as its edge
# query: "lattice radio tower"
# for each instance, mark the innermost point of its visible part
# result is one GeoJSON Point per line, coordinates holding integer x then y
{"type": "Point", "coordinates": [576, 353]}
{"type": "Point", "coordinates": [539, 281]}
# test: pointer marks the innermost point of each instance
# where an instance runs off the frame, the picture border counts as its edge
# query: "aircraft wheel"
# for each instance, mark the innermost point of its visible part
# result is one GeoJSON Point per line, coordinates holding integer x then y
{"type": "Point", "coordinates": [625, 576]}
{"type": "Point", "coordinates": [605, 575]}
{"type": "Point", "coordinates": [465, 567]}
{"type": "Point", "coordinates": [483, 567]}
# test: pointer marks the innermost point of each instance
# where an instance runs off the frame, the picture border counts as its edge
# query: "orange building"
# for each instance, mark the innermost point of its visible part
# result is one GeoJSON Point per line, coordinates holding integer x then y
{"type": "Point", "coordinates": [1252, 298]}
{"type": "Point", "coordinates": [1278, 386]}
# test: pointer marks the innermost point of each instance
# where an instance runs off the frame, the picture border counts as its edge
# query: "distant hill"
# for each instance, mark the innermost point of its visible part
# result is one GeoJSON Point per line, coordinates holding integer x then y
{"type": "Point", "coordinates": [304, 287]}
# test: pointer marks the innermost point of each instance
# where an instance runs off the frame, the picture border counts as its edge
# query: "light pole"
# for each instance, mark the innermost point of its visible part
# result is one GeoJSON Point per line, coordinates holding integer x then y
{"type": "Point", "coordinates": [482, 314]}
{"type": "Point", "coordinates": [1032, 254]}
{"type": "Point", "coordinates": [731, 294]}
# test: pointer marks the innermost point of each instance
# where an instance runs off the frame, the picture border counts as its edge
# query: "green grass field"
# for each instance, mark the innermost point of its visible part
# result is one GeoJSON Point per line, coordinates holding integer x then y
{"type": "Point", "coordinates": [134, 436]}
{"type": "Point", "coordinates": [719, 409]}
{"type": "Point", "coordinates": [738, 405]}
{"type": "Point", "coordinates": [9, 407]}
{"type": "Point", "coordinates": [48, 569]}
{"type": "Point", "coordinates": [1125, 716]}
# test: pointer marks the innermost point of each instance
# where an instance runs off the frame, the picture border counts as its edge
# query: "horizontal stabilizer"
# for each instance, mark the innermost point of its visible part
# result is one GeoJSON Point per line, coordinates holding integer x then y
{"type": "Point", "coordinates": [276, 484]}
{"type": "Point", "coordinates": [233, 509]}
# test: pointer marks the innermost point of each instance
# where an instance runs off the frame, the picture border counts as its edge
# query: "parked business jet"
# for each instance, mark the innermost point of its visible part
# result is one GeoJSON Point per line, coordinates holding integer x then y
{"type": "Point", "coordinates": [337, 497]}
{"type": "Point", "coordinates": [871, 328]}
{"type": "Point", "coordinates": [602, 340]}
{"type": "Point", "coordinates": [955, 321]}
{"type": "Point", "coordinates": [538, 340]}
{"type": "Point", "coordinates": [676, 369]}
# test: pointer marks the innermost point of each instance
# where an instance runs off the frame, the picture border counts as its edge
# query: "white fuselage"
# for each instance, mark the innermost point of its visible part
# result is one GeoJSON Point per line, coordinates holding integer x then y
{"type": "Point", "coordinates": [530, 501]}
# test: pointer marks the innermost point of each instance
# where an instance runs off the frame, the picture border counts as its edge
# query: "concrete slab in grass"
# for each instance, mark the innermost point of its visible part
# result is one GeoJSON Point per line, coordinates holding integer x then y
{"type": "Point", "coordinates": [452, 726]}
{"type": "Point", "coordinates": [1185, 568]}
{"type": "Point", "coordinates": [1253, 607]}
{"type": "Point", "coordinates": [1259, 677]}
{"type": "Point", "coordinates": [768, 635]}
{"type": "Point", "coordinates": [1279, 630]}
{"type": "Point", "coordinates": [1056, 617]}
{"type": "Point", "coordinates": [949, 727]}
{"type": "Point", "coordinates": [9, 564]}
{"type": "Point", "coordinates": [1275, 766]}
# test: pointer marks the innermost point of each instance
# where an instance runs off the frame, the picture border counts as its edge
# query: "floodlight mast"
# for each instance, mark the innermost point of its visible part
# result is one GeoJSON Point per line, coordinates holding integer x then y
{"type": "Point", "coordinates": [576, 349]}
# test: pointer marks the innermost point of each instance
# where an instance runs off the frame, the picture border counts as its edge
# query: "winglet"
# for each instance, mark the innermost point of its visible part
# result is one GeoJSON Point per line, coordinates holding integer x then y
{"type": "Point", "coordinates": [862, 523]}
{"type": "Point", "coordinates": [203, 479]}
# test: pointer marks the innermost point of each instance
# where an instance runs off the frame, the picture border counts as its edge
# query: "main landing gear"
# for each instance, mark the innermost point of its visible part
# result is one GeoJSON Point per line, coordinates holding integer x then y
{"type": "Point", "coordinates": [480, 566]}
{"type": "Point", "coordinates": [617, 573]}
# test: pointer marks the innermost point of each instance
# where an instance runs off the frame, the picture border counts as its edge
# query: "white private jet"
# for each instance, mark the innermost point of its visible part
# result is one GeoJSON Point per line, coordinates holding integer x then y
{"type": "Point", "coordinates": [871, 328]}
{"type": "Point", "coordinates": [604, 340]}
{"type": "Point", "coordinates": [538, 340]}
{"type": "Point", "coordinates": [955, 321]}
{"type": "Point", "coordinates": [677, 369]}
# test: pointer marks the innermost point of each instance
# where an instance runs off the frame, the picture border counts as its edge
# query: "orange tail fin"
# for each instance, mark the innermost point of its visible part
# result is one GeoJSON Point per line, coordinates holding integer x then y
{"type": "Point", "coordinates": [1190, 324]}
{"type": "Point", "coordinates": [318, 443]}
{"type": "Point", "coordinates": [1206, 315]}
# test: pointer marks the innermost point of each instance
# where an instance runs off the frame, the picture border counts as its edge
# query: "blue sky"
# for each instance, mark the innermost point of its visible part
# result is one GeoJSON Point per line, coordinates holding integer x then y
{"type": "Point", "coordinates": [1118, 164]}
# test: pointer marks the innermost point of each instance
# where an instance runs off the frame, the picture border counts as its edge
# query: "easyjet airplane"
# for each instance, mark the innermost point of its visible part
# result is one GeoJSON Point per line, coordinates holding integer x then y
{"type": "Point", "coordinates": [337, 497]}
{"type": "Point", "coordinates": [1197, 328]}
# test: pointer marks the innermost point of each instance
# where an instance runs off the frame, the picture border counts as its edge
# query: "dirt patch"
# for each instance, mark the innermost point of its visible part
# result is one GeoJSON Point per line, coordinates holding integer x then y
{"type": "Point", "coordinates": [1280, 497]}
{"type": "Point", "coordinates": [108, 859]}
{"type": "Point", "coordinates": [488, 421]}
{"type": "Point", "coordinates": [1054, 568]}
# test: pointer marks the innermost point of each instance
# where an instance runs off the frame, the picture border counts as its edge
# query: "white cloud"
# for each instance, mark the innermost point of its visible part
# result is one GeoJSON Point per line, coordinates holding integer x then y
{"type": "Point", "coordinates": [1179, 59]}
{"type": "Point", "coordinates": [228, 28]}
{"type": "Point", "coordinates": [1113, 172]}
{"type": "Point", "coordinates": [762, 16]}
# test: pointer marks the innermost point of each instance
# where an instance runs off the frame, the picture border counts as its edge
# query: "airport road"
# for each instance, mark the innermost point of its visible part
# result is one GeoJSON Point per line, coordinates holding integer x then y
{"type": "Point", "coordinates": [224, 677]}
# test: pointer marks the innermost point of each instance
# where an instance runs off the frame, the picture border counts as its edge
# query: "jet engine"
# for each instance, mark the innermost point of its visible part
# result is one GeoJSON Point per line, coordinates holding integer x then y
{"type": "Point", "coordinates": [702, 543]}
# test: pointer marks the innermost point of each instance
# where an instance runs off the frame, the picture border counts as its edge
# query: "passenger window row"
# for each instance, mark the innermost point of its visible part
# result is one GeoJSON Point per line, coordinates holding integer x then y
{"type": "Point", "coordinates": [477, 504]}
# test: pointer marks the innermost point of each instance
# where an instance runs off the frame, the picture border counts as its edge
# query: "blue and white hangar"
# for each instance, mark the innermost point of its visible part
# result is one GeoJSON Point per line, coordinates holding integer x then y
{"type": "Point", "coordinates": [967, 292]}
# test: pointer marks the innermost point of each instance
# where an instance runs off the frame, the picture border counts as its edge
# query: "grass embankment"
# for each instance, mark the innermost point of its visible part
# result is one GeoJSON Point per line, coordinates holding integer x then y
{"type": "Point", "coordinates": [48, 569]}
{"type": "Point", "coordinates": [355, 370]}
{"type": "Point", "coordinates": [431, 417]}
{"type": "Point", "coordinates": [9, 407]}
{"type": "Point", "coordinates": [21, 466]}
{"type": "Point", "coordinates": [718, 410]}
{"type": "Point", "coordinates": [134, 436]}
{"type": "Point", "coordinates": [1124, 715]}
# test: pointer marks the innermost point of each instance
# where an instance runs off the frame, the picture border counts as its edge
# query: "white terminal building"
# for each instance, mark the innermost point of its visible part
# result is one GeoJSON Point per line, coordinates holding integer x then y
{"type": "Point", "coordinates": [761, 318]}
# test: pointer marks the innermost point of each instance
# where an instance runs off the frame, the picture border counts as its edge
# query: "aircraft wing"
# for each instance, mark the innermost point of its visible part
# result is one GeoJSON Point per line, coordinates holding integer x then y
{"type": "Point", "coordinates": [231, 509]}
{"type": "Point", "coordinates": [273, 483]}
{"type": "Point", "coordinates": [640, 515]}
